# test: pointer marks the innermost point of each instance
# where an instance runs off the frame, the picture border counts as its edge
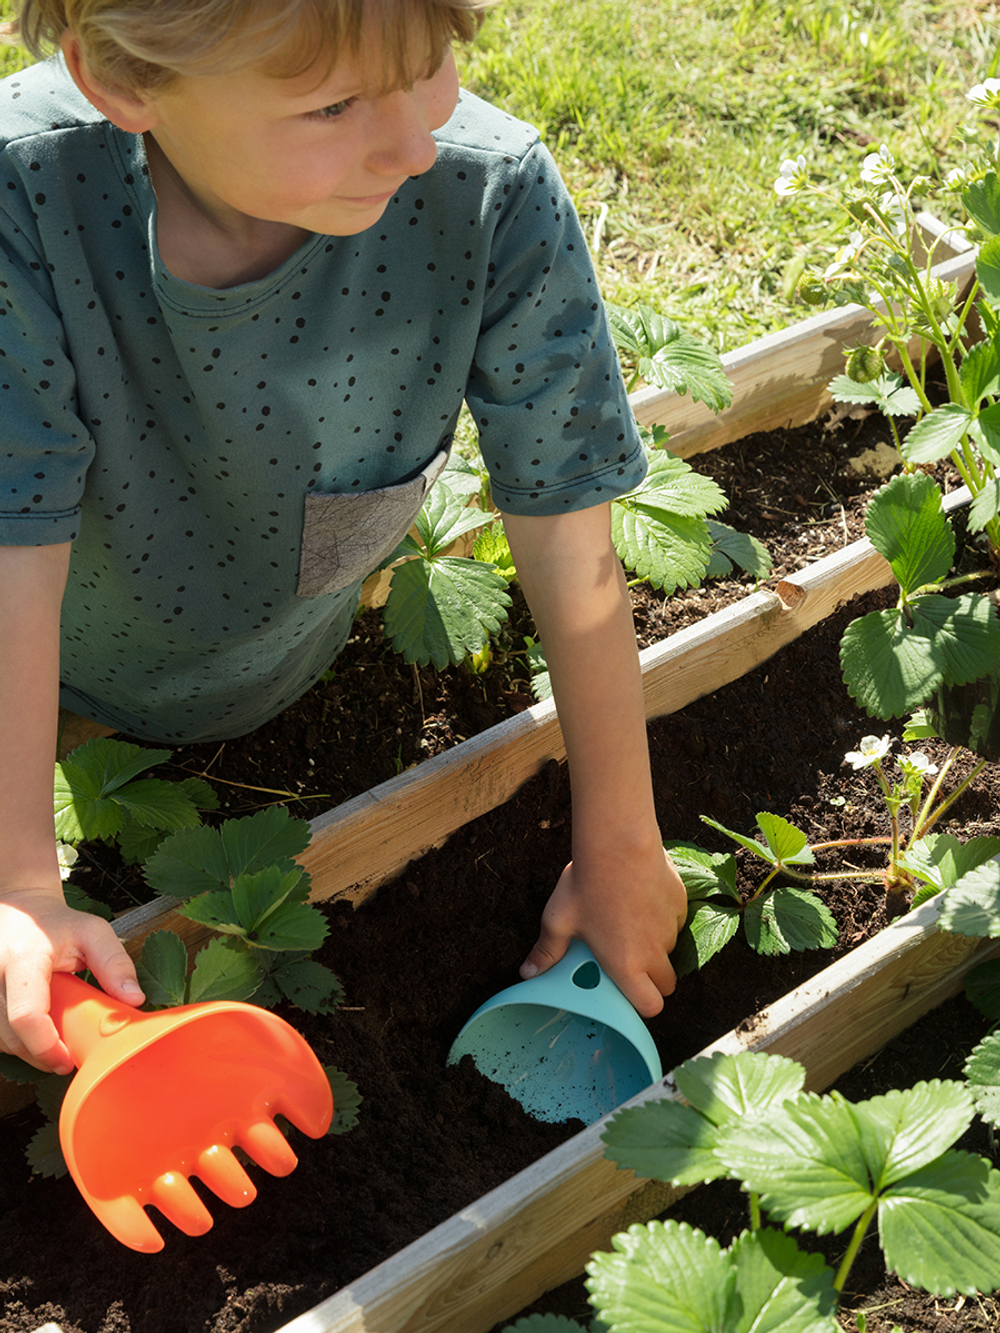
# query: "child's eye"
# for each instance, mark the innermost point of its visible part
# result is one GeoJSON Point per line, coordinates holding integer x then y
{"type": "Point", "coordinates": [331, 112]}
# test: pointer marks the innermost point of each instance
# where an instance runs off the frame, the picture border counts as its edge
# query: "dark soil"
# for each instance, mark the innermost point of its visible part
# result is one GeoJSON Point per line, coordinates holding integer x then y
{"type": "Point", "coordinates": [428, 948]}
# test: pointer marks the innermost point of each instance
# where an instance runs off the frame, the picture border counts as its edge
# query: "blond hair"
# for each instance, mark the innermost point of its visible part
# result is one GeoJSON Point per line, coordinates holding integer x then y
{"type": "Point", "coordinates": [144, 44]}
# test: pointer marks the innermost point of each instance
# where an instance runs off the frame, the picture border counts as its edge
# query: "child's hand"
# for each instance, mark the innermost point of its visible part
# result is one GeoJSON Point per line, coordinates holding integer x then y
{"type": "Point", "coordinates": [39, 935]}
{"type": "Point", "coordinates": [629, 913]}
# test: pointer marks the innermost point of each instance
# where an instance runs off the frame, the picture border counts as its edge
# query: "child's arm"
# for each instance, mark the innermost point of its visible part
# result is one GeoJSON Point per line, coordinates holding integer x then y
{"type": "Point", "coordinates": [620, 893]}
{"type": "Point", "coordinates": [39, 934]}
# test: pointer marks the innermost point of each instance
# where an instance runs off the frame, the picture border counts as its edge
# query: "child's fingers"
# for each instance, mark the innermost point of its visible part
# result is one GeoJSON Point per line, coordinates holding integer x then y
{"type": "Point", "coordinates": [26, 1030]}
{"type": "Point", "coordinates": [107, 959]}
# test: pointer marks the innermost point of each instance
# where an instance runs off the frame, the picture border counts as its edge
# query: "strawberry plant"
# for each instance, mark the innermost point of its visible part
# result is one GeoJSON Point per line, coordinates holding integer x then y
{"type": "Point", "coordinates": [809, 1163]}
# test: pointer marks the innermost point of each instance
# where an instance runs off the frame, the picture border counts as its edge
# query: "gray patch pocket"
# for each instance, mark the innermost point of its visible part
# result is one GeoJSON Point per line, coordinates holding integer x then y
{"type": "Point", "coordinates": [345, 537]}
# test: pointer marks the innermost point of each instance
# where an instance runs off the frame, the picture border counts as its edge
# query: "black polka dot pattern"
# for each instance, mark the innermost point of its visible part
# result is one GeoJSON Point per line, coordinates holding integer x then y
{"type": "Point", "coordinates": [173, 431]}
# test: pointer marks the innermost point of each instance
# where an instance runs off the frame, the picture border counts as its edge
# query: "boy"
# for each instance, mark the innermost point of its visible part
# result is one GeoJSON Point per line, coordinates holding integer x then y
{"type": "Point", "coordinates": [254, 257]}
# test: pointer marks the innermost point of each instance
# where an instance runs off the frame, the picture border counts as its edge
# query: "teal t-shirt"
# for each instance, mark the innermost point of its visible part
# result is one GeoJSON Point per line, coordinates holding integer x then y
{"type": "Point", "coordinates": [229, 464]}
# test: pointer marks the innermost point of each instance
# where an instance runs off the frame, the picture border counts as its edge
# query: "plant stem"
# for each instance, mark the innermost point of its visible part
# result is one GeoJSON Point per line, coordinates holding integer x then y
{"type": "Point", "coordinates": [852, 1250]}
{"type": "Point", "coordinates": [929, 820]}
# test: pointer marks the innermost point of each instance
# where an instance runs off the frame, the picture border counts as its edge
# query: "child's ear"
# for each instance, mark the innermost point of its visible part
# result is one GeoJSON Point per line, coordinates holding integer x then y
{"type": "Point", "coordinates": [130, 111]}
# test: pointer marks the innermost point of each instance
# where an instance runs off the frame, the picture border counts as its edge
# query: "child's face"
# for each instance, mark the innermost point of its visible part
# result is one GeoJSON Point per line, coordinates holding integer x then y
{"type": "Point", "coordinates": [326, 157]}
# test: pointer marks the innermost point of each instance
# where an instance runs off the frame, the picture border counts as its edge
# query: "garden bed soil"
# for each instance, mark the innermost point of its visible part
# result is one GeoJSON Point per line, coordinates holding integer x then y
{"type": "Point", "coordinates": [425, 950]}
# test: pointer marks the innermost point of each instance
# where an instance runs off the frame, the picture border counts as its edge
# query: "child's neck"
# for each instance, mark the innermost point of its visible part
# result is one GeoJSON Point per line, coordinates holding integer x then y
{"type": "Point", "coordinates": [198, 246]}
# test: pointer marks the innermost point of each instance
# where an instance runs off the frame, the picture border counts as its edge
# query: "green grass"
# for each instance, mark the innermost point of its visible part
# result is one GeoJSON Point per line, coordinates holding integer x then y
{"type": "Point", "coordinates": [670, 118]}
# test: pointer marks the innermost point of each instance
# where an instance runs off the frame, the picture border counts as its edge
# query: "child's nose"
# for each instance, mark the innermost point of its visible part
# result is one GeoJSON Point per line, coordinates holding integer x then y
{"type": "Point", "coordinates": [407, 145]}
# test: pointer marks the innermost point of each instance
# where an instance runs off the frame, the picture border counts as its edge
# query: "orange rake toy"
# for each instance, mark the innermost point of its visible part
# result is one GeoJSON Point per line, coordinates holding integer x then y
{"type": "Point", "coordinates": [163, 1096]}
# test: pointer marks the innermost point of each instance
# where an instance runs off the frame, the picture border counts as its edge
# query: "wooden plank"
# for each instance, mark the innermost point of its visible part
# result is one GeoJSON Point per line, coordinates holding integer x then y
{"type": "Point", "coordinates": [538, 1230]}
{"type": "Point", "coordinates": [780, 380]}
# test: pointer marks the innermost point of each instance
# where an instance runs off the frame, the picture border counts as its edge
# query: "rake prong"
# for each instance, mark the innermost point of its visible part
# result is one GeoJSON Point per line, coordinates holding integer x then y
{"type": "Point", "coordinates": [268, 1147]}
{"type": "Point", "coordinates": [173, 1194]}
{"type": "Point", "coordinates": [128, 1222]}
{"type": "Point", "coordinates": [221, 1172]}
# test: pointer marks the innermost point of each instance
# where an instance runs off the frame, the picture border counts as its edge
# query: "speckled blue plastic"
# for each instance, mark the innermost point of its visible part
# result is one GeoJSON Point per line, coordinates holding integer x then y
{"type": "Point", "coordinates": [567, 1044]}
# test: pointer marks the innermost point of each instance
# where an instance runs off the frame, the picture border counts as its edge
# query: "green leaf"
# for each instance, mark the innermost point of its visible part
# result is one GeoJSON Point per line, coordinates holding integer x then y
{"type": "Point", "coordinates": [188, 863]}
{"type": "Point", "coordinates": [704, 874]}
{"type": "Point", "coordinates": [981, 200]}
{"type": "Point", "coordinates": [780, 1288]}
{"type": "Point", "coordinates": [937, 435]}
{"type": "Point", "coordinates": [215, 910]}
{"type": "Point", "coordinates": [663, 1278]}
{"type": "Point", "coordinates": [224, 970]}
{"type": "Point", "coordinates": [108, 763]}
{"type": "Point", "coordinates": [670, 550]}
{"type": "Point", "coordinates": [438, 611]}
{"type": "Point", "coordinates": [308, 985]}
{"type": "Point", "coordinates": [820, 1162]}
{"type": "Point", "coordinates": [724, 1087]}
{"type": "Point", "coordinates": [86, 783]}
{"type": "Point", "coordinates": [294, 926]}
{"type": "Point", "coordinates": [892, 667]}
{"type": "Point", "coordinates": [673, 485]}
{"type": "Point", "coordinates": [785, 844]}
{"type": "Point", "coordinates": [920, 727]}
{"type": "Point", "coordinates": [750, 844]}
{"type": "Point", "coordinates": [44, 1152]}
{"type": "Point", "coordinates": [982, 1069]}
{"type": "Point", "coordinates": [493, 548]}
{"type": "Point", "coordinates": [972, 907]}
{"type": "Point", "coordinates": [941, 860]}
{"type": "Point", "coordinates": [914, 1127]}
{"type": "Point", "coordinates": [162, 969]}
{"type": "Point", "coordinates": [18, 1071]}
{"type": "Point", "coordinates": [988, 269]}
{"type": "Point", "coordinates": [270, 919]}
{"type": "Point", "coordinates": [346, 1100]}
{"type": "Point", "coordinates": [664, 1140]}
{"type": "Point", "coordinates": [199, 793]}
{"type": "Point", "coordinates": [270, 837]}
{"type": "Point", "coordinates": [198, 860]}
{"type": "Point", "coordinates": [940, 1227]}
{"type": "Point", "coordinates": [445, 517]}
{"type": "Point", "coordinates": [735, 549]}
{"type": "Point", "coordinates": [670, 358]}
{"type": "Point", "coordinates": [888, 393]}
{"type": "Point", "coordinates": [789, 844]}
{"type": "Point", "coordinates": [709, 928]}
{"type": "Point", "coordinates": [81, 814]}
{"type": "Point", "coordinates": [256, 897]}
{"type": "Point", "coordinates": [985, 505]}
{"type": "Point", "coordinates": [159, 805]}
{"type": "Point", "coordinates": [51, 1093]}
{"type": "Point", "coordinates": [137, 843]}
{"type": "Point", "coordinates": [986, 430]}
{"type": "Point", "coordinates": [789, 919]}
{"type": "Point", "coordinates": [979, 373]}
{"type": "Point", "coordinates": [541, 680]}
{"type": "Point", "coordinates": [982, 988]}
{"type": "Point", "coordinates": [670, 1278]}
{"type": "Point", "coordinates": [905, 523]}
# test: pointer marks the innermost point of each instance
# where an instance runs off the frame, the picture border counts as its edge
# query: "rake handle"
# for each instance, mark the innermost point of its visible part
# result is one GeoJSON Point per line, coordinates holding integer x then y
{"type": "Point", "coordinates": [84, 1016]}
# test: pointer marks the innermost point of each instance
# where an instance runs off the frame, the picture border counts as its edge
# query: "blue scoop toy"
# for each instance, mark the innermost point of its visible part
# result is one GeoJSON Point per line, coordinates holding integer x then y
{"type": "Point", "coordinates": [567, 1044]}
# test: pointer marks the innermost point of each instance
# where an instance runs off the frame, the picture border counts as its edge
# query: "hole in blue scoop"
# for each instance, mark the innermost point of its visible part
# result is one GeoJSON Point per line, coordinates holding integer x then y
{"type": "Point", "coordinates": [587, 976]}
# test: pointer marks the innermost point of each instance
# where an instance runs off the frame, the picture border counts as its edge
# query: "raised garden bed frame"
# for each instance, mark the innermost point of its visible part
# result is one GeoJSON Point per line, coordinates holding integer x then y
{"type": "Point", "coordinates": [538, 1230]}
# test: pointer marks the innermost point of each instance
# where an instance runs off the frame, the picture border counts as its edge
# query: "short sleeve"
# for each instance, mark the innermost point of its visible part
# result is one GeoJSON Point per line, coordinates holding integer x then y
{"type": "Point", "coordinates": [44, 448]}
{"type": "Point", "coordinates": [546, 391]}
